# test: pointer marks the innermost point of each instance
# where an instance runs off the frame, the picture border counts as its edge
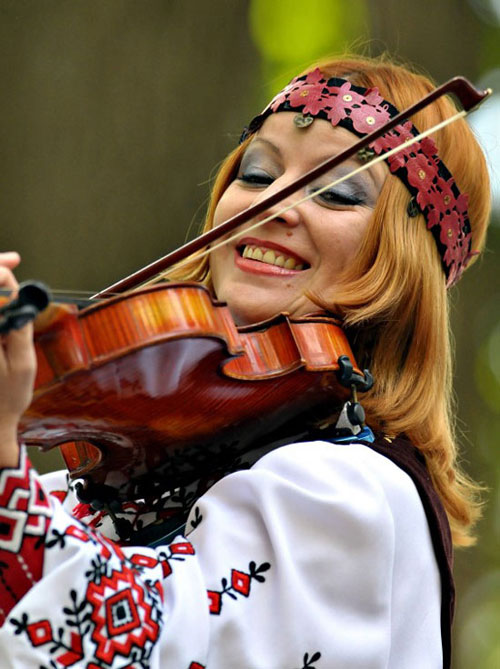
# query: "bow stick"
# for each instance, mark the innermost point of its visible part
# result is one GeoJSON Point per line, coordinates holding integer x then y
{"type": "Point", "coordinates": [467, 94]}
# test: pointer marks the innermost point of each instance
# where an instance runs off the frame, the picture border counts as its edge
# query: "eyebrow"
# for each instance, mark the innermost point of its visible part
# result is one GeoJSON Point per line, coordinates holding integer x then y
{"type": "Point", "coordinates": [261, 140]}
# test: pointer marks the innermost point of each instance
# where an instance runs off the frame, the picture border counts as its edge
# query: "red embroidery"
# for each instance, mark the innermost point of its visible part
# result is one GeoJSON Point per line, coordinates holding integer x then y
{"type": "Point", "coordinates": [25, 515]}
{"type": "Point", "coordinates": [240, 584]}
{"type": "Point", "coordinates": [40, 632]}
{"type": "Point", "coordinates": [184, 548]}
{"type": "Point", "coordinates": [74, 653]}
{"type": "Point", "coordinates": [175, 552]}
{"type": "Point", "coordinates": [59, 494]}
{"type": "Point", "coordinates": [120, 615]}
{"type": "Point", "coordinates": [214, 601]}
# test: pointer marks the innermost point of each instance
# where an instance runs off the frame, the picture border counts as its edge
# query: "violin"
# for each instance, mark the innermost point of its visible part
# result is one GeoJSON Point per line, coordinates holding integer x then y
{"type": "Point", "coordinates": [141, 379]}
{"type": "Point", "coordinates": [144, 389]}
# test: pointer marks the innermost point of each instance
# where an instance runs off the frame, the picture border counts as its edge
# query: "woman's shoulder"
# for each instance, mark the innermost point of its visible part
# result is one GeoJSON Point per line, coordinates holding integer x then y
{"type": "Point", "coordinates": [345, 467]}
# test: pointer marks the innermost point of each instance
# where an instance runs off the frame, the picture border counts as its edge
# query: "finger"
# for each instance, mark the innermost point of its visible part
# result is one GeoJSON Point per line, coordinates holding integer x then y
{"type": "Point", "coordinates": [7, 278]}
{"type": "Point", "coordinates": [10, 259]}
{"type": "Point", "coordinates": [19, 350]}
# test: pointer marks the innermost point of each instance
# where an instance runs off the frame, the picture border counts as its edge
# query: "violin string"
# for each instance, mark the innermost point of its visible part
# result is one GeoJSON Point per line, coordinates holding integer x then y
{"type": "Point", "coordinates": [77, 296]}
{"type": "Point", "coordinates": [310, 196]}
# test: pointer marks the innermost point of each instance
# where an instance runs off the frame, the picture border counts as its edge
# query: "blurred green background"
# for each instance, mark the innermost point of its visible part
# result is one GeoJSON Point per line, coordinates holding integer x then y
{"type": "Point", "coordinates": [114, 114]}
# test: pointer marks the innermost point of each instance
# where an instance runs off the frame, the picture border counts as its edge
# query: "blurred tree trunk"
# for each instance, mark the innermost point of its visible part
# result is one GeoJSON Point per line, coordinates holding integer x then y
{"type": "Point", "coordinates": [113, 117]}
{"type": "Point", "coordinates": [114, 114]}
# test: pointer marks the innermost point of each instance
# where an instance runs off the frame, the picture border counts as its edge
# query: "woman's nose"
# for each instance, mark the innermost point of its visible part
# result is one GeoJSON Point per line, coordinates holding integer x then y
{"type": "Point", "coordinates": [286, 212]}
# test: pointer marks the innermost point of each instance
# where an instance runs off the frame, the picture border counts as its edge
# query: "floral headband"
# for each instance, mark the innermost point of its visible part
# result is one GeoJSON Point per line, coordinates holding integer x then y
{"type": "Point", "coordinates": [360, 110]}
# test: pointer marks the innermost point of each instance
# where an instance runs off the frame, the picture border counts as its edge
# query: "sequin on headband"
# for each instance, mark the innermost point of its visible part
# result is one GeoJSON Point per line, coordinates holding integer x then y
{"type": "Point", "coordinates": [361, 110]}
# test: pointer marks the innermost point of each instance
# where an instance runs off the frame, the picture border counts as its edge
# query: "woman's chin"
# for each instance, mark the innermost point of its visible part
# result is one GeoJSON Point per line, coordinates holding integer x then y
{"type": "Point", "coordinates": [248, 310]}
{"type": "Point", "coordinates": [248, 316]}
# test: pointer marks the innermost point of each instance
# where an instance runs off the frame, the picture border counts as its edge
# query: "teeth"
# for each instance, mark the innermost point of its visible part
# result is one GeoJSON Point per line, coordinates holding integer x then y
{"type": "Point", "coordinates": [271, 258]}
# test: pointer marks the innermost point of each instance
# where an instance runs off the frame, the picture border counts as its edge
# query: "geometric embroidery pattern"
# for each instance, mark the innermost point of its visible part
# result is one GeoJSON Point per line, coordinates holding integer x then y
{"type": "Point", "coordinates": [123, 617]}
{"type": "Point", "coordinates": [25, 507]}
{"type": "Point", "coordinates": [239, 584]}
{"type": "Point", "coordinates": [25, 514]}
{"type": "Point", "coordinates": [120, 612]}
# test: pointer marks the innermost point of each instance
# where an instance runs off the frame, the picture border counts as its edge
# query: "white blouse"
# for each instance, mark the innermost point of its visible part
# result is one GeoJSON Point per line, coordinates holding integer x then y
{"type": "Point", "coordinates": [317, 557]}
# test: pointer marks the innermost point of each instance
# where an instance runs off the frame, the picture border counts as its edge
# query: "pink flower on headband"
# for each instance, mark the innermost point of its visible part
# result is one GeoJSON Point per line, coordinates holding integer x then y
{"type": "Point", "coordinates": [340, 101]}
{"type": "Point", "coordinates": [283, 96]}
{"type": "Point", "coordinates": [366, 119]}
{"type": "Point", "coordinates": [421, 173]}
{"type": "Point", "coordinates": [449, 234]}
{"type": "Point", "coordinates": [310, 94]}
{"type": "Point", "coordinates": [428, 147]}
{"type": "Point", "coordinates": [393, 139]}
{"type": "Point", "coordinates": [373, 97]}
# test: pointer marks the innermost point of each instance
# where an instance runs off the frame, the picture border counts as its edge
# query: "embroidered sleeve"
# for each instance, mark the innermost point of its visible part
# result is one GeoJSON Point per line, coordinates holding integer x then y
{"type": "Point", "coordinates": [288, 565]}
{"type": "Point", "coordinates": [25, 514]}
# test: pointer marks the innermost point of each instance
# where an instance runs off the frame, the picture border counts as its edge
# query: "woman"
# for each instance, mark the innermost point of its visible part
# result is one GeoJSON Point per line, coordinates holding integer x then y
{"type": "Point", "coordinates": [315, 554]}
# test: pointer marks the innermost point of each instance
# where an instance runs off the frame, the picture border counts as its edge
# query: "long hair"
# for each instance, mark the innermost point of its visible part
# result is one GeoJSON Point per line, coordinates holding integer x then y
{"type": "Point", "coordinates": [393, 296]}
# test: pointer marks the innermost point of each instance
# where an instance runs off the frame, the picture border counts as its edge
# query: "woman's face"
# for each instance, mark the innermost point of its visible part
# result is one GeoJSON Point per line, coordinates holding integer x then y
{"type": "Point", "coordinates": [272, 269]}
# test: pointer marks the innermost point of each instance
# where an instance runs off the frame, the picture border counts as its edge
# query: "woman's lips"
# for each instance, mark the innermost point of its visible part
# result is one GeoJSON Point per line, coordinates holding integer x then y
{"type": "Point", "coordinates": [261, 243]}
{"type": "Point", "coordinates": [262, 257]}
{"type": "Point", "coordinates": [259, 267]}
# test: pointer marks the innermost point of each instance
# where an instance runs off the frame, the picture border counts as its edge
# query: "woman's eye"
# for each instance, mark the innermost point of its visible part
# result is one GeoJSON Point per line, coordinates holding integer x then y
{"type": "Point", "coordinates": [255, 178]}
{"type": "Point", "coordinates": [333, 197]}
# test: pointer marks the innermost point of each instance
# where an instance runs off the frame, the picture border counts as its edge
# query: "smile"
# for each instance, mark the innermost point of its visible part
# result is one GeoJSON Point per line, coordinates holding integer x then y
{"type": "Point", "coordinates": [270, 254]}
{"type": "Point", "coordinates": [271, 257]}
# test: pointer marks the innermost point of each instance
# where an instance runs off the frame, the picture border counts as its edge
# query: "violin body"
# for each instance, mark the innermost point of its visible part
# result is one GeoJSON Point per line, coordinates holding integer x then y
{"type": "Point", "coordinates": [161, 379]}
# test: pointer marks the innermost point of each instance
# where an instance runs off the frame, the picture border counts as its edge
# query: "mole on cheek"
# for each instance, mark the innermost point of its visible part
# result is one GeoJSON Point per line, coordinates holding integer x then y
{"type": "Point", "coordinates": [289, 234]}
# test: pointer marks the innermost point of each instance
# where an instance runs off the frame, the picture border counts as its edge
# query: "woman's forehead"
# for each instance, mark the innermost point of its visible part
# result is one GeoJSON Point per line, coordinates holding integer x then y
{"type": "Point", "coordinates": [310, 145]}
{"type": "Point", "coordinates": [320, 134]}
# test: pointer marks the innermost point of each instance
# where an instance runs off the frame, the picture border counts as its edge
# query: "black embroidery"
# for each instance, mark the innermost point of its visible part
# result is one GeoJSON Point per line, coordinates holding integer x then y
{"type": "Point", "coordinates": [239, 585]}
{"type": "Point", "coordinates": [197, 518]}
{"type": "Point", "coordinates": [127, 623]}
{"type": "Point", "coordinates": [4, 568]}
{"type": "Point", "coordinates": [308, 661]}
{"type": "Point", "coordinates": [58, 539]}
{"type": "Point", "coordinates": [119, 615]}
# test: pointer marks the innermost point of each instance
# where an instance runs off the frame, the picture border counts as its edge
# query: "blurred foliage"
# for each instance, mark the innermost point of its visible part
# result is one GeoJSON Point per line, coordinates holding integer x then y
{"type": "Point", "coordinates": [114, 115]}
{"type": "Point", "coordinates": [487, 370]}
{"type": "Point", "coordinates": [291, 34]}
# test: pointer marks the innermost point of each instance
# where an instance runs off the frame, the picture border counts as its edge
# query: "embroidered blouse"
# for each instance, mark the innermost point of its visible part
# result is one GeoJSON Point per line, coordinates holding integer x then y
{"type": "Point", "coordinates": [318, 556]}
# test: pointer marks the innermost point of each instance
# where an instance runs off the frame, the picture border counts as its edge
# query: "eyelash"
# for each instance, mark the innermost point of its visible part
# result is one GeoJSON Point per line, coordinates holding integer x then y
{"type": "Point", "coordinates": [335, 197]}
{"type": "Point", "coordinates": [256, 178]}
{"type": "Point", "coordinates": [329, 197]}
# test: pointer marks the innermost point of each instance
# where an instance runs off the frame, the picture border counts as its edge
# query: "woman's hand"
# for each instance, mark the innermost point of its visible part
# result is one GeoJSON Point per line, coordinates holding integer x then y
{"type": "Point", "coordinates": [17, 371]}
